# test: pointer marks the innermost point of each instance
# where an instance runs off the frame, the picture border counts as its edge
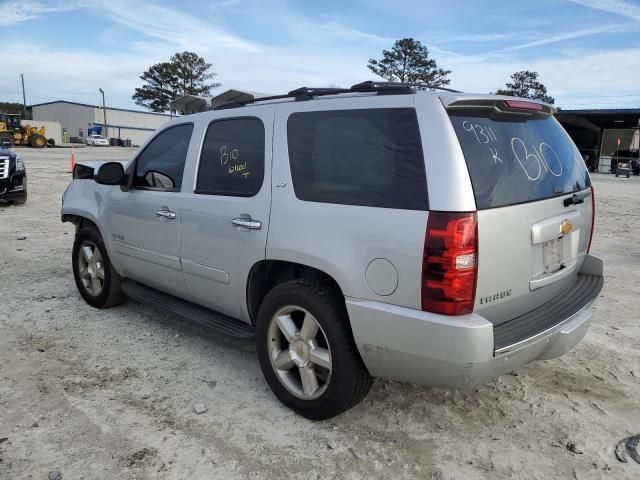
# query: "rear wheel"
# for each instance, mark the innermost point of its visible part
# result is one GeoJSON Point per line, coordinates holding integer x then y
{"type": "Point", "coordinates": [307, 352]}
{"type": "Point", "coordinates": [96, 279]}
{"type": "Point", "coordinates": [37, 141]}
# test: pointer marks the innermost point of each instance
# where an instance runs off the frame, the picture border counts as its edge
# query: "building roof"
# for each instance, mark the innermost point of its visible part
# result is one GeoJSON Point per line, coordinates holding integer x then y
{"type": "Point", "coordinates": [98, 106]}
{"type": "Point", "coordinates": [596, 119]}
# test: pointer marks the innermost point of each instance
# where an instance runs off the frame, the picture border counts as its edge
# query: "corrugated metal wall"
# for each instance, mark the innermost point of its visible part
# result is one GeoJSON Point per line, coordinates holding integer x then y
{"type": "Point", "coordinates": [72, 117]}
{"type": "Point", "coordinates": [124, 124]}
{"type": "Point", "coordinates": [134, 126]}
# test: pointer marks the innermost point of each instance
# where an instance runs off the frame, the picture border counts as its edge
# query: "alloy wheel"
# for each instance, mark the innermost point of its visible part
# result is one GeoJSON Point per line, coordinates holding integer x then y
{"type": "Point", "coordinates": [299, 352]}
{"type": "Point", "coordinates": [91, 268]}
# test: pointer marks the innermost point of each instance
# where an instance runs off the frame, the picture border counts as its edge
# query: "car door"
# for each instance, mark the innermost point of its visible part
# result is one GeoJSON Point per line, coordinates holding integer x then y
{"type": "Point", "coordinates": [145, 218]}
{"type": "Point", "coordinates": [225, 217]}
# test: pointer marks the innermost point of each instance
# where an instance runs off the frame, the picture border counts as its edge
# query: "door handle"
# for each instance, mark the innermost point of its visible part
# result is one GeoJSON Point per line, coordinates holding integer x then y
{"type": "Point", "coordinates": [166, 213]}
{"type": "Point", "coordinates": [247, 223]}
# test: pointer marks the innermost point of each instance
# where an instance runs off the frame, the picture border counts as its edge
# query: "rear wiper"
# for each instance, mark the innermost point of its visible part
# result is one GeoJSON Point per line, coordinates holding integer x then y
{"type": "Point", "coordinates": [577, 198]}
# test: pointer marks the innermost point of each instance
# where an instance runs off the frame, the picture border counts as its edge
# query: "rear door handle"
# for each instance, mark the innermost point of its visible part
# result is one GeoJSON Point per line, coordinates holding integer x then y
{"type": "Point", "coordinates": [247, 223]}
{"type": "Point", "coordinates": [166, 213]}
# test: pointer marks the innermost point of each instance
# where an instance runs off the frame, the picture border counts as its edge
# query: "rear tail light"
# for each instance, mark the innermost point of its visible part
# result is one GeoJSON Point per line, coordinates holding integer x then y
{"type": "Point", "coordinates": [450, 263]}
{"type": "Point", "coordinates": [593, 217]}
{"type": "Point", "coordinates": [522, 105]}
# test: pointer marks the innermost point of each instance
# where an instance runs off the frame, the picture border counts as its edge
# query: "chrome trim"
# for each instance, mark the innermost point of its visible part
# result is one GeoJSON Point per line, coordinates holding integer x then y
{"type": "Point", "coordinates": [144, 250]}
{"type": "Point", "coordinates": [568, 269]}
{"type": "Point", "coordinates": [247, 223]}
{"type": "Point", "coordinates": [166, 213]}
{"type": "Point", "coordinates": [4, 168]}
{"type": "Point", "coordinates": [558, 326]}
{"type": "Point", "coordinates": [205, 271]}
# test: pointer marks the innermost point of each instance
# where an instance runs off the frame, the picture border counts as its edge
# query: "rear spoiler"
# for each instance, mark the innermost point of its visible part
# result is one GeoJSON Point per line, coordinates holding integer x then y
{"type": "Point", "coordinates": [498, 104]}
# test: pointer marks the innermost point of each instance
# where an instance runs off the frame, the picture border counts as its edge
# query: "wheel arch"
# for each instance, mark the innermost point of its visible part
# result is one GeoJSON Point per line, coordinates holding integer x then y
{"type": "Point", "coordinates": [265, 275]}
{"type": "Point", "coordinates": [81, 221]}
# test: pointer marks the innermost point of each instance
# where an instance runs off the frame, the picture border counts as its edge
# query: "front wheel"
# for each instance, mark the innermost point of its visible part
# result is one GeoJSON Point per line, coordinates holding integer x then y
{"type": "Point", "coordinates": [96, 279]}
{"type": "Point", "coordinates": [307, 352]}
{"type": "Point", "coordinates": [37, 141]}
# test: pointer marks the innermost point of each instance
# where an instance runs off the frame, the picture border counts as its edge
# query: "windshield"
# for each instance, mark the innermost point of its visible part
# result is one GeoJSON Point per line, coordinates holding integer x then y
{"type": "Point", "coordinates": [515, 159]}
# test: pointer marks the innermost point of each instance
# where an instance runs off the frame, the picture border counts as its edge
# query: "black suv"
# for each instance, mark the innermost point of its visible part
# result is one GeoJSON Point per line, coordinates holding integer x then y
{"type": "Point", "coordinates": [13, 177]}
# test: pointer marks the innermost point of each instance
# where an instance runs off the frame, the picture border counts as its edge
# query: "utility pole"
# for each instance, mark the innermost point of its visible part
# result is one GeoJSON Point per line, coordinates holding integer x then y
{"type": "Point", "coordinates": [104, 111]}
{"type": "Point", "coordinates": [24, 99]}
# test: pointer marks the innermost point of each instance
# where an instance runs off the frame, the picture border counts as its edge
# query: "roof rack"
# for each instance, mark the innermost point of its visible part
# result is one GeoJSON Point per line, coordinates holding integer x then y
{"type": "Point", "coordinates": [308, 93]}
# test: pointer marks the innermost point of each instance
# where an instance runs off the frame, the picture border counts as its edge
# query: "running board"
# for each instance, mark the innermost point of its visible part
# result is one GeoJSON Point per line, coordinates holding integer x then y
{"type": "Point", "coordinates": [189, 311]}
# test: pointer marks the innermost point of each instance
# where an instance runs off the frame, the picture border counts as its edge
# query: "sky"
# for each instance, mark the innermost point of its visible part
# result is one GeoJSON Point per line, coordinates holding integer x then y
{"type": "Point", "coordinates": [587, 52]}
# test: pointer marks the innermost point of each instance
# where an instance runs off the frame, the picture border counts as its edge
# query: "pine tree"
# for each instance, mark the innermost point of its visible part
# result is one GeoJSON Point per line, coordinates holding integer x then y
{"type": "Point", "coordinates": [525, 84]}
{"type": "Point", "coordinates": [186, 73]}
{"type": "Point", "coordinates": [408, 62]}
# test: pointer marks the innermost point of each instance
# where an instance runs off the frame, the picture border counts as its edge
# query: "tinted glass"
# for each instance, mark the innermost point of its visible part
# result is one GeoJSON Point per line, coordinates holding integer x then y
{"type": "Point", "coordinates": [369, 157]}
{"type": "Point", "coordinates": [161, 164]}
{"type": "Point", "coordinates": [513, 160]}
{"type": "Point", "coordinates": [232, 160]}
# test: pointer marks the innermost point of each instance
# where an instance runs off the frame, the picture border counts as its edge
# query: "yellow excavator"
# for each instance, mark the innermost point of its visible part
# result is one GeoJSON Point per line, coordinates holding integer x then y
{"type": "Point", "coordinates": [12, 132]}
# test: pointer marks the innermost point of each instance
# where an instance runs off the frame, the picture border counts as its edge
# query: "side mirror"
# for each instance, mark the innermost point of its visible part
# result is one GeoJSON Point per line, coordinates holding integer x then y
{"type": "Point", "coordinates": [111, 173]}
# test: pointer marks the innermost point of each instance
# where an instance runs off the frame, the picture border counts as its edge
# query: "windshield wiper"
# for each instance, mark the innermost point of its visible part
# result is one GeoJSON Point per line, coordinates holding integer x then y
{"type": "Point", "coordinates": [577, 198]}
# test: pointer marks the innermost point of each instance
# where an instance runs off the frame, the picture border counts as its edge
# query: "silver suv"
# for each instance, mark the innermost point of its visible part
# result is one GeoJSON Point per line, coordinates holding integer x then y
{"type": "Point", "coordinates": [376, 231]}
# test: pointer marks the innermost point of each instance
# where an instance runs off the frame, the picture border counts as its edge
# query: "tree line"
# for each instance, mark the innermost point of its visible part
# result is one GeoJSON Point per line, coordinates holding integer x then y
{"type": "Point", "coordinates": [408, 61]}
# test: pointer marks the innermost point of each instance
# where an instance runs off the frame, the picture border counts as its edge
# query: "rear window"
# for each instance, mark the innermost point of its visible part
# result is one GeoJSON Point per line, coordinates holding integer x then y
{"type": "Point", "coordinates": [368, 157]}
{"type": "Point", "coordinates": [513, 160]}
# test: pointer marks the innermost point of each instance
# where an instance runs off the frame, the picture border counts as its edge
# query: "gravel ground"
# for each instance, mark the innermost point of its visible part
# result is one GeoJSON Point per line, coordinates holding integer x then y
{"type": "Point", "coordinates": [111, 394]}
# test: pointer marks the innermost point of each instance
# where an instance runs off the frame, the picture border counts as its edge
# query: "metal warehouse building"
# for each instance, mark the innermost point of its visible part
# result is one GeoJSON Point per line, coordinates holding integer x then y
{"type": "Point", "coordinates": [77, 118]}
{"type": "Point", "coordinates": [599, 134]}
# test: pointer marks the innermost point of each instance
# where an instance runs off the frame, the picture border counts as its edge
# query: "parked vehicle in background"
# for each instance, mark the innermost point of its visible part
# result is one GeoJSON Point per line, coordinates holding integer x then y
{"type": "Point", "coordinates": [97, 141]}
{"type": "Point", "coordinates": [13, 132]}
{"type": "Point", "coordinates": [13, 177]}
{"type": "Point", "coordinates": [624, 162]}
{"type": "Point", "coordinates": [377, 231]}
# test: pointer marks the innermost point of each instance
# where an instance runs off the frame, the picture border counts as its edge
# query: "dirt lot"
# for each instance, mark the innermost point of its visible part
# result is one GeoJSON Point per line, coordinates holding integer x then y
{"type": "Point", "coordinates": [110, 394]}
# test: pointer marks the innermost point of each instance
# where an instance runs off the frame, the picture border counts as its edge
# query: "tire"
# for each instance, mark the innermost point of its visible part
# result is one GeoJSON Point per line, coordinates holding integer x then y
{"type": "Point", "coordinates": [341, 379]}
{"type": "Point", "coordinates": [51, 142]}
{"type": "Point", "coordinates": [7, 139]}
{"type": "Point", "coordinates": [86, 270]}
{"type": "Point", "coordinates": [37, 141]}
{"type": "Point", "coordinates": [616, 175]}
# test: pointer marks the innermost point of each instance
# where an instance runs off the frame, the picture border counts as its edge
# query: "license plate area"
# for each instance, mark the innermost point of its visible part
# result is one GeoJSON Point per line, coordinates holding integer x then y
{"type": "Point", "coordinates": [552, 255]}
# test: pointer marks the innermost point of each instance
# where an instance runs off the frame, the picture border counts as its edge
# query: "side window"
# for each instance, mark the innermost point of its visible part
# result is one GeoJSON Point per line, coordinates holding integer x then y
{"type": "Point", "coordinates": [368, 157]}
{"type": "Point", "coordinates": [161, 164]}
{"type": "Point", "coordinates": [232, 159]}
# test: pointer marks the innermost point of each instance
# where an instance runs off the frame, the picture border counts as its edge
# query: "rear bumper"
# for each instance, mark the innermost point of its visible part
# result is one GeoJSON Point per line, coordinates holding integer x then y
{"type": "Point", "coordinates": [429, 349]}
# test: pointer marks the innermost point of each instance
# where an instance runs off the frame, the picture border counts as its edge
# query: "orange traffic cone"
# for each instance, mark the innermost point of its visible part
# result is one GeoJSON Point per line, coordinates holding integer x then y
{"type": "Point", "coordinates": [73, 159]}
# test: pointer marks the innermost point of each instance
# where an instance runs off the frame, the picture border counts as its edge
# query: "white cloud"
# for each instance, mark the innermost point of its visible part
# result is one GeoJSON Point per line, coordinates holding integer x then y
{"type": "Point", "coordinates": [561, 37]}
{"type": "Point", "coordinates": [17, 11]}
{"type": "Point", "coordinates": [581, 75]}
{"type": "Point", "coordinates": [173, 27]}
{"type": "Point", "coordinates": [321, 52]}
{"type": "Point", "coordinates": [618, 7]}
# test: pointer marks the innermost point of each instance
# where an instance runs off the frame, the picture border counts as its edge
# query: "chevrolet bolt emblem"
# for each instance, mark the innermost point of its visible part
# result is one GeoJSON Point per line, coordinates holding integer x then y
{"type": "Point", "coordinates": [566, 226]}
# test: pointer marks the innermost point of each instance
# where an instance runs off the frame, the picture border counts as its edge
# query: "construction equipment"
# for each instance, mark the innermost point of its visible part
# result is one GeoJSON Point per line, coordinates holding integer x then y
{"type": "Point", "coordinates": [12, 132]}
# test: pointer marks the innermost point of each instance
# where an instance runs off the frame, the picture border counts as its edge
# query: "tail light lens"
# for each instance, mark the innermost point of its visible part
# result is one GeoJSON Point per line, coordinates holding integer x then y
{"type": "Point", "coordinates": [522, 105]}
{"type": "Point", "coordinates": [449, 263]}
{"type": "Point", "coordinates": [593, 217]}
